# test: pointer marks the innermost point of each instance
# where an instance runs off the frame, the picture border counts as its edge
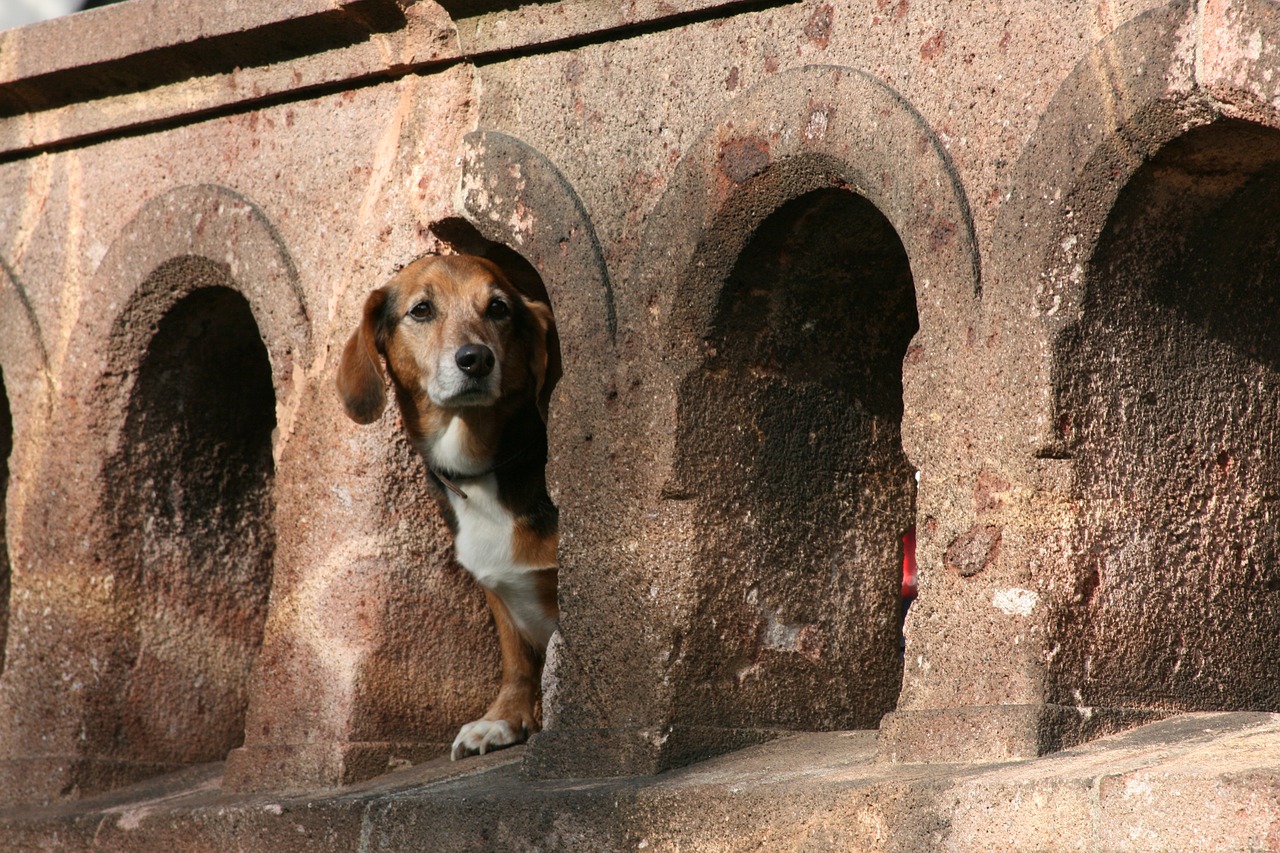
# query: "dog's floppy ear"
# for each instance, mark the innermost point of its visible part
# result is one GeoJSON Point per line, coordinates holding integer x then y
{"type": "Point", "coordinates": [361, 377]}
{"type": "Point", "coordinates": [544, 357]}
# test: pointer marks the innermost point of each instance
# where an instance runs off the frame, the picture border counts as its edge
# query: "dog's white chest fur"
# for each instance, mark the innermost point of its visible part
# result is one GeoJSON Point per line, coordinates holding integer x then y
{"type": "Point", "coordinates": [485, 538]}
{"type": "Point", "coordinates": [485, 532]}
{"type": "Point", "coordinates": [483, 544]}
{"type": "Point", "coordinates": [447, 450]}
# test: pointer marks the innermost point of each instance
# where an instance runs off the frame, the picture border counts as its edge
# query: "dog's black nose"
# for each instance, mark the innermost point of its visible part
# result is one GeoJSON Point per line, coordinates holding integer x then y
{"type": "Point", "coordinates": [474, 360]}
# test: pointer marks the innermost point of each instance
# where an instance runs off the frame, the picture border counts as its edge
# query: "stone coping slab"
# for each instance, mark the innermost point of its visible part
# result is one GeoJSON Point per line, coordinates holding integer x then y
{"type": "Point", "coordinates": [146, 64]}
{"type": "Point", "coordinates": [138, 65]}
{"type": "Point", "coordinates": [1192, 782]}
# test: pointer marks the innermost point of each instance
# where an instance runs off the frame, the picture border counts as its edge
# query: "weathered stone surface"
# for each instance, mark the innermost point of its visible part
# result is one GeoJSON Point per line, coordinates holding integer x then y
{"type": "Point", "coordinates": [147, 63]}
{"type": "Point", "coordinates": [974, 550]}
{"type": "Point", "coordinates": [822, 271]}
{"type": "Point", "coordinates": [1177, 582]}
{"type": "Point", "coordinates": [802, 792]}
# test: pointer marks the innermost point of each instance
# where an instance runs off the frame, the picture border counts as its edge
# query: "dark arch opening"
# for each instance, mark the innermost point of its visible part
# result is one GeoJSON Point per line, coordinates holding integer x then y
{"type": "Point", "coordinates": [789, 440]}
{"type": "Point", "coordinates": [6, 447]}
{"type": "Point", "coordinates": [465, 238]}
{"type": "Point", "coordinates": [1169, 396]}
{"type": "Point", "coordinates": [190, 503]}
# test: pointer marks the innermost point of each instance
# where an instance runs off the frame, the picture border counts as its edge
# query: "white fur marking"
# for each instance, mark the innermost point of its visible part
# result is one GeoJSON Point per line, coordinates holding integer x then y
{"type": "Point", "coordinates": [480, 736]}
{"type": "Point", "coordinates": [446, 450]}
{"type": "Point", "coordinates": [483, 543]}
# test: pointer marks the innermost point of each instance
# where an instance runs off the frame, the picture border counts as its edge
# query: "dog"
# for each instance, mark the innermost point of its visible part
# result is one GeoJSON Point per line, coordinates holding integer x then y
{"type": "Point", "coordinates": [472, 362]}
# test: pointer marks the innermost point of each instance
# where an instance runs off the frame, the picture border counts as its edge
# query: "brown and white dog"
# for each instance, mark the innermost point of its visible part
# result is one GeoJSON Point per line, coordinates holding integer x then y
{"type": "Point", "coordinates": [473, 362]}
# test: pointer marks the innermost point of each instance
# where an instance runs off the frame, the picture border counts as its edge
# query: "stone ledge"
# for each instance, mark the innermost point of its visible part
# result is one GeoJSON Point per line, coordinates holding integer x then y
{"type": "Point", "coordinates": [278, 767]}
{"type": "Point", "coordinates": [569, 753]}
{"type": "Point", "coordinates": [137, 64]}
{"type": "Point", "coordinates": [998, 732]}
{"type": "Point", "coordinates": [119, 31]}
{"type": "Point", "coordinates": [488, 26]}
{"type": "Point", "coordinates": [1193, 782]}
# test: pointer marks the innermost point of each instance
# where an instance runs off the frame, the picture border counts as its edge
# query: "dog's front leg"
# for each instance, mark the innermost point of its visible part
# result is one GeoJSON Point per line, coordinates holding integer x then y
{"type": "Point", "coordinates": [512, 717]}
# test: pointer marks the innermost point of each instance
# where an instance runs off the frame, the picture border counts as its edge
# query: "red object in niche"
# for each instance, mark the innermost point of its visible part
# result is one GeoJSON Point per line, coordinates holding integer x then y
{"type": "Point", "coordinates": [909, 565]}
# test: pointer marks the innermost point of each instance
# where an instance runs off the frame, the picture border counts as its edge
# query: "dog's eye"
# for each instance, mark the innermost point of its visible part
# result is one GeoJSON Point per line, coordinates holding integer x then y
{"type": "Point", "coordinates": [424, 310]}
{"type": "Point", "coordinates": [498, 309]}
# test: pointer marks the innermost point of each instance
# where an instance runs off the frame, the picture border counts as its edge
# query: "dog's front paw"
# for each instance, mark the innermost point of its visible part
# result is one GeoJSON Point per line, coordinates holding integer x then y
{"type": "Point", "coordinates": [481, 736]}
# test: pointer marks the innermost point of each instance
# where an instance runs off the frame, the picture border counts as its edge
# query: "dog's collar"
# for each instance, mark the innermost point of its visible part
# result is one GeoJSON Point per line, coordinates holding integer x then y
{"type": "Point", "coordinates": [450, 479]}
{"type": "Point", "coordinates": [446, 481]}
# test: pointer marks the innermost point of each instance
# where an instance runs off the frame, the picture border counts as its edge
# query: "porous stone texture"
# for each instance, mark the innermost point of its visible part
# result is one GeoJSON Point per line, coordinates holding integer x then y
{"type": "Point", "coordinates": [818, 791]}
{"type": "Point", "coordinates": [822, 271]}
{"type": "Point", "coordinates": [1178, 596]}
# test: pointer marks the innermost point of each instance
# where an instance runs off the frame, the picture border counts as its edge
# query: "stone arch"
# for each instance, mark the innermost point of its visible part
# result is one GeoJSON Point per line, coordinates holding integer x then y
{"type": "Point", "coordinates": [823, 182]}
{"type": "Point", "coordinates": [193, 256]}
{"type": "Point", "coordinates": [832, 126]}
{"type": "Point", "coordinates": [816, 143]}
{"type": "Point", "coordinates": [1167, 71]}
{"type": "Point", "coordinates": [800, 489]}
{"type": "Point", "coordinates": [515, 196]}
{"type": "Point", "coordinates": [199, 365]}
{"type": "Point", "coordinates": [1140, 238]}
{"type": "Point", "coordinates": [1133, 94]}
{"type": "Point", "coordinates": [532, 222]}
{"type": "Point", "coordinates": [222, 227]}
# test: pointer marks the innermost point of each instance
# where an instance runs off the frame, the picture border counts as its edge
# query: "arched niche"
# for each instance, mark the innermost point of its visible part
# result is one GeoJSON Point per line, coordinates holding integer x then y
{"type": "Point", "coordinates": [201, 360]}
{"type": "Point", "coordinates": [190, 513]}
{"type": "Point", "coordinates": [650, 686]}
{"type": "Point", "coordinates": [87, 726]}
{"type": "Point", "coordinates": [788, 444]}
{"type": "Point", "coordinates": [393, 696]}
{"type": "Point", "coordinates": [1167, 396]}
{"type": "Point", "coordinates": [816, 143]}
{"type": "Point", "coordinates": [1005, 669]}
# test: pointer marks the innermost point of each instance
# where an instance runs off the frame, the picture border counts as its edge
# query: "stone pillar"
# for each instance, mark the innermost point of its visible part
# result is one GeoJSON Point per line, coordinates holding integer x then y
{"type": "Point", "coordinates": [377, 644]}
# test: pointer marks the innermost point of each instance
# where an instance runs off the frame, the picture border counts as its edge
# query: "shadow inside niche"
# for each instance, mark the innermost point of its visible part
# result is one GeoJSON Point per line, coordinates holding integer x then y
{"type": "Point", "coordinates": [1170, 389]}
{"type": "Point", "coordinates": [789, 436]}
{"type": "Point", "coordinates": [190, 504]}
{"type": "Point", "coordinates": [464, 238]}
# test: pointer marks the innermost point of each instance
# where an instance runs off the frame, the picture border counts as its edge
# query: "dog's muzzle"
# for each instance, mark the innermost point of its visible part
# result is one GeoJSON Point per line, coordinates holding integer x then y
{"type": "Point", "coordinates": [470, 377]}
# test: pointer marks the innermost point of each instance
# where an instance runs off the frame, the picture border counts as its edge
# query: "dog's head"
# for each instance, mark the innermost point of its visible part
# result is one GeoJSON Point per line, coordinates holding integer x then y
{"type": "Point", "coordinates": [454, 334]}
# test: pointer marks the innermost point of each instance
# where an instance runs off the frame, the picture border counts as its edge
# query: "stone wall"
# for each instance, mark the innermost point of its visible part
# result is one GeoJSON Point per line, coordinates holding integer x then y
{"type": "Point", "coordinates": [797, 252]}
